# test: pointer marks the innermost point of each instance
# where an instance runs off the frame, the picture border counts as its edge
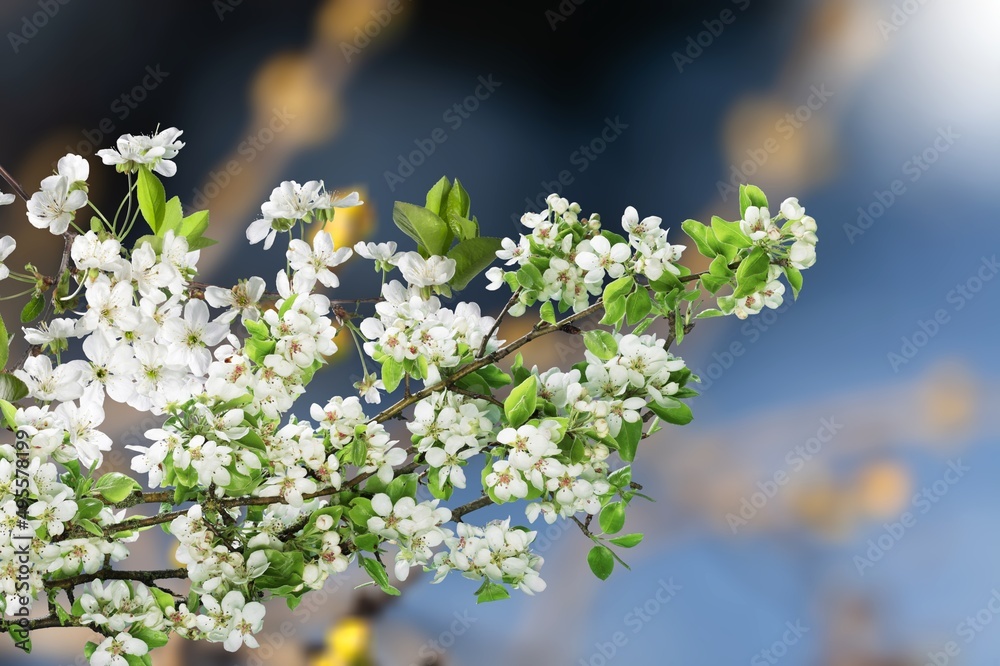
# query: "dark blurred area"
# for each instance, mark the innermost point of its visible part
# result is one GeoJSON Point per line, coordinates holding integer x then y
{"type": "Point", "coordinates": [834, 502]}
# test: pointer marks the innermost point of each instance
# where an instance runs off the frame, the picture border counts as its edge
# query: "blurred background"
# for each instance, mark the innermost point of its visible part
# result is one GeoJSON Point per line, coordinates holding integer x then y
{"type": "Point", "coordinates": [834, 502]}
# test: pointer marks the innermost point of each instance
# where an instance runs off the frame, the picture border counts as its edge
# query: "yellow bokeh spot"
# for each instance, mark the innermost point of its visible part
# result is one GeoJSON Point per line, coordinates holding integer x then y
{"type": "Point", "coordinates": [339, 21]}
{"type": "Point", "coordinates": [347, 644]}
{"type": "Point", "coordinates": [293, 84]}
{"type": "Point", "coordinates": [883, 489]}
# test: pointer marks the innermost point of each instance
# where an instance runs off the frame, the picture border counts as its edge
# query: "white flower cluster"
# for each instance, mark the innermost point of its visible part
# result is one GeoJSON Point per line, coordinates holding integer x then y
{"type": "Point", "coordinates": [274, 505]}
{"type": "Point", "coordinates": [765, 231]}
{"type": "Point", "coordinates": [497, 553]}
{"type": "Point", "coordinates": [291, 204]}
{"type": "Point", "coordinates": [448, 429]}
{"type": "Point", "coordinates": [116, 605]}
{"type": "Point", "coordinates": [574, 257]}
{"type": "Point", "coordinates": [414, 527]}
{"type": "Point", "coordinates": [156, 152]}
{"type": "Point", "coordinates": [419, 330]}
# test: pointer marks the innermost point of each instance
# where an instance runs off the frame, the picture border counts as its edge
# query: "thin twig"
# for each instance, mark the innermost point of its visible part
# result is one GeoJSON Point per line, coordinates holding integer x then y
{"type": "Point", "coordinates": [14, 184]}
{"type": "Point", "coordinates": [496, 324]}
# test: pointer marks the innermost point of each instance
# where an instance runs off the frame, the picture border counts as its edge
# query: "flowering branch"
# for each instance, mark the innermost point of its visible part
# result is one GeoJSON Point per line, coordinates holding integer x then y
{"type": "Point", "coordinates": [264, 503]}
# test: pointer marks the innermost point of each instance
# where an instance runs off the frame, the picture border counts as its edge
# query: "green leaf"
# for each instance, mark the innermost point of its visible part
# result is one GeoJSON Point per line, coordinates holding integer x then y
{"type": "Point", "coordinates": [90, 527]}
{"type": "Point", "coordinates": [367, 542]}
{"type": "Point", "coordinates": [163, 599]}
{"type": "Point", "coordinates": [12, 389]}
{"type": "Point", "coordinates": [378, 574]}
{"type": "Point", "coordinates": [115, 487]}
{"type": "Point", "coordinates": [529, 277]}
{"type": "Point", "coordinates": [613, 518]}
{"type": "Point", "coordinates": [492, 592]}
{"type": "Point", "coordinates": [548, 313]}
{"type": "Point", "coordinates": [730, 232]}
{"type": "Point", "coordinates": [200, 243]}
{"type": "Point", "coordinates": [9, 414]}
{"type": "Point", "coordinates": [88, 507]}
{"type": "Point", "coordinates": [458, 202]}
{"type": "Point", "coordinates": [699, 233]}
{"type": "Point", "coordinates": [259, 329]}
{"type": "Point", "coordinates": [437, 196]}
{"type": "Point", "coordinates": [194, 225]}
{"type": "Point", "coordinates": [618, 289]}
{"type": "Point", "coordinates": [601, 561]}
{"type": "Point", "coordinates": [751, 195]}
{"type": "Point", "coordinates": [427, 228]}
{"type": "Point", "coordinates": [472, 256]}
{"type": "Point", "coordinates": [711, 312]}
{"type": "Point", "coordinates": [614, 312]}
{"type": "Point", "coordinates": [521, 403]}
{"type": "Point", "coordinates": [21, 638]}
{"type": "Point", "coordinates": [628, 439]}
{"type": "Point", "coordinates": [61, 300]}
{"type": "Point", "coordinates": [621, 477]}
{"type": "Point", "coordinates": [150, 637]}
{"type": "Point", "coordinates": [152, 198]}
{"type": "Point", "coordinates": [33, 308]}
{"type": "Point", "coordinates": [713, 284]}
{"type": "Point", "coordinates": [666, 283]}
{"type": "Point", "coordinates": [794, 279]}
{"type": "Point", "coordinates": [494, 376]}
{"type": "Point", "coordinates": [361, 510]}
{"type": "Point", "coordinates": [155, 242]}
{"type": "Point", "coordinates": [463, 227]}
{"type": "Point", "coordinates": [637, 306]}
{"type": "Point", "coordinates": [720, 268]}
{"type": "Point", "coordinates": [358, 452]}
{"type": "Point", "coordinates": [258, 349]}
{"type": "Point", "coordinates": [4, 345]}
{"type": "Point", "coordinates": [628, 540]}
{"type": "Point", "coordinates": [284, 569]}
{"type": "Point", "coordinates": [678, 414]}
{"type": "Point", "coordinates": [173, 216]}
{"type": "Point", "coordinates": [402, 486]}
{"type": "Point", "coordinates": [614, 300]}
{"type": "Point", "coordinates": [601, 344]}
{"type": "Point", "coordinates": [392, 374]}
{"type": "Point", "coordinates": [751, 276]}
